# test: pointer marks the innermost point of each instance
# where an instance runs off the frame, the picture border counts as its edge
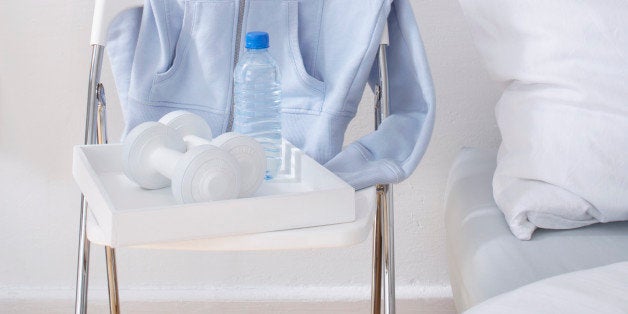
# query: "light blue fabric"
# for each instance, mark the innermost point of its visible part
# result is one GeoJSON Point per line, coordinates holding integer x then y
{"type": "Point", "coordinates": [180, 55]}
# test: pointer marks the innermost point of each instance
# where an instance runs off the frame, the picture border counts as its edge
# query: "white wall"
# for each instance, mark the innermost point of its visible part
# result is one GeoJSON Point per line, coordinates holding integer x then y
{"type": "Point", "coordinates": [44, 59]}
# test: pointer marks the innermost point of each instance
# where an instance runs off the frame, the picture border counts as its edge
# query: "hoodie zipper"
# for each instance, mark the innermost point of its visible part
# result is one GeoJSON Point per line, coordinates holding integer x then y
{"type": "Point", "coordinates": [236, 57]}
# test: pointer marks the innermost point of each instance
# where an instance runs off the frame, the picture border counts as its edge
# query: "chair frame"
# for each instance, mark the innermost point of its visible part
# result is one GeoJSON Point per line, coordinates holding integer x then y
{"type": "Point", "coordinates": [383, 263]}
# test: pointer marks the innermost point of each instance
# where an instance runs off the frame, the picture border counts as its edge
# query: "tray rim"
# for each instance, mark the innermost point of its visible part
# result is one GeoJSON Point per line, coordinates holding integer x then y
{"type": "Point", "coordinates": [111, 217]}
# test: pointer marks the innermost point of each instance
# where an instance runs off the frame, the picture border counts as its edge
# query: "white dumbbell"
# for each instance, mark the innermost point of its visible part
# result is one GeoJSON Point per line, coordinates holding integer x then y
{"type": "Point", "coordinates": [155, 156]}
{"type": "Point", "coordinates": [247, 151]}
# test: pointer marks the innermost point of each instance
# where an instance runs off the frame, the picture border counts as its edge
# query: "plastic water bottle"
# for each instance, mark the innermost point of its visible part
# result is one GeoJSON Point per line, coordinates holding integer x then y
{"type": "Point", "coordinates": [258, 99]}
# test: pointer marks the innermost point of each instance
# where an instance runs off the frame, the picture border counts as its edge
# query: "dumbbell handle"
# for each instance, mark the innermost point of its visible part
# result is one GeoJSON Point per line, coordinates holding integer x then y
{"type": "Point", "coordinates": [194, 129]}
{"type": "Point", "coordinates": [165, 160]}
{"type": "Point", "coordinates": [192, 140]}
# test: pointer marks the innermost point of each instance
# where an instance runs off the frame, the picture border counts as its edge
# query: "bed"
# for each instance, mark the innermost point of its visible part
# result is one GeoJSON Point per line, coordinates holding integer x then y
{"type": "Point", "coordinates": [486, 260]}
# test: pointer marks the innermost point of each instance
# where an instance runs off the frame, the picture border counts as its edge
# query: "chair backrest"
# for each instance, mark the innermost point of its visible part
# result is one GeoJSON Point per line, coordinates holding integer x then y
{"type": "Point", "coordinates": [104, 12]}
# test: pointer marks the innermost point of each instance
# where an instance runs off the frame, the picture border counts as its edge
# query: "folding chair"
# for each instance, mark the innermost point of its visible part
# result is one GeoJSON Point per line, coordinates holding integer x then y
{"type": "Point", "coordinates": [375, 205]}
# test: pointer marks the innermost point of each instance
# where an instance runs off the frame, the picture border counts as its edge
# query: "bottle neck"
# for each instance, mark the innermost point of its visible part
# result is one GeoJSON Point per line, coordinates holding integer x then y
{"type": "Point", "coordinates": [256, 50]}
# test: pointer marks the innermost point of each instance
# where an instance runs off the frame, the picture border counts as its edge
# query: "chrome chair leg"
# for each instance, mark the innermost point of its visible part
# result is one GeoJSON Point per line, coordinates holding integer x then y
{"type": "Point", "coordinates": [110, 253]}
{"type": "Point", "coordinates": [388, 239]}
{"type": "Point", "coordinates": [95, 133]}
{"type": "Point", "coordinates": [112, 280]}
{"type": "Point", "coordinates": [385, 209]}
{"type": "Point", "coordinates": [82, 272]}
{"type": "Point", "coordinates": [82, 276]}
{"type": "Point", "coordinates": [376, 280]}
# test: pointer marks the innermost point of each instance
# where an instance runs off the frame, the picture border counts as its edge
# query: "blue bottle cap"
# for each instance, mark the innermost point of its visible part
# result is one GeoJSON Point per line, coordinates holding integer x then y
{"type": "Point", "coordinates": [257, 40]}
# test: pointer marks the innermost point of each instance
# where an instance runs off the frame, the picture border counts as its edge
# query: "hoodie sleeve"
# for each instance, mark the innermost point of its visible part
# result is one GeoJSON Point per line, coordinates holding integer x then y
{"type": "Point", "coordinates": [390, 154]}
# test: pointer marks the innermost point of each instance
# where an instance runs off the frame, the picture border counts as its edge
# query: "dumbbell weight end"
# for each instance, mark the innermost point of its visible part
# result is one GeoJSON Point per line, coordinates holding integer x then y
{"type": "Point", "coordinates": [248, 152]}
{"type": "Point", "coordinates": [153, 157]}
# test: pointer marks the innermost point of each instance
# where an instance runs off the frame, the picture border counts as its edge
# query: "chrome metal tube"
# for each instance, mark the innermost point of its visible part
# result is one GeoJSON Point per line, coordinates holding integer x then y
{"type": "Point", "coordinates": [383, 107]}
{"type": "Point", "coordinates": [101, 115]}
{"type": "Point", "coordinates": [386, 202]}
{"type": "Point", "coordinates": [388, 237]}
{"type": "Point", "coordinates": [110, 253]}
{"type": "Point", "coordinates": [112, 280]}
{"type": "Point", "coordinates": [376, 280]}
{"type": "Point", "coordinates": [82, 273]}
{"type": "Point", "coordinates": [378, 106]}
{"type": "Point", "coordinates": [92, 92]}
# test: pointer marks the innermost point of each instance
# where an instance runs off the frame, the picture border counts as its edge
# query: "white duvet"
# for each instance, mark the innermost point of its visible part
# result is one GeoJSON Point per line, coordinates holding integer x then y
{"type": "Point", "coordinates": [601, 290]}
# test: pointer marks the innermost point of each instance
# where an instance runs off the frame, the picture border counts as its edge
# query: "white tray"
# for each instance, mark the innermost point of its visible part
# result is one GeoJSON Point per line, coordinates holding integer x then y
{"type": "Point", "coordinates": [307, 195]}
{"type": "Point", "coordinates": [336, 235]}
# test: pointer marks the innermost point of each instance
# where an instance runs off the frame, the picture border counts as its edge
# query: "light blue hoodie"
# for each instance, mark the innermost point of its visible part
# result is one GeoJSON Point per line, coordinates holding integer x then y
{"type": "Point", "coordinates": [176, 54]}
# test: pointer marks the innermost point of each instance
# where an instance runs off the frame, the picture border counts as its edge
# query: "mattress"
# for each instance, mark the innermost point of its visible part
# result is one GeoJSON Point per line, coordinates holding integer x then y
{"type": "Point", "coordinates": [486, 260]}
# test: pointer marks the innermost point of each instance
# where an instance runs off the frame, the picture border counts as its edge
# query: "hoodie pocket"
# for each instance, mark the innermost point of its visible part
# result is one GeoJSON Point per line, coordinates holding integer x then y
{"type": "Point", "coordinates": [301, 92]}
{"type": "Point", "coordinates": [200, 73]}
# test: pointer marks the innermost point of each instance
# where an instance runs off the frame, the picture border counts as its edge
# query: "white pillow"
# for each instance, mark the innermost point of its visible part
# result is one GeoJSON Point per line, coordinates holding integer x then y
{"type": "Point", "coordinates": [563, 116]}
